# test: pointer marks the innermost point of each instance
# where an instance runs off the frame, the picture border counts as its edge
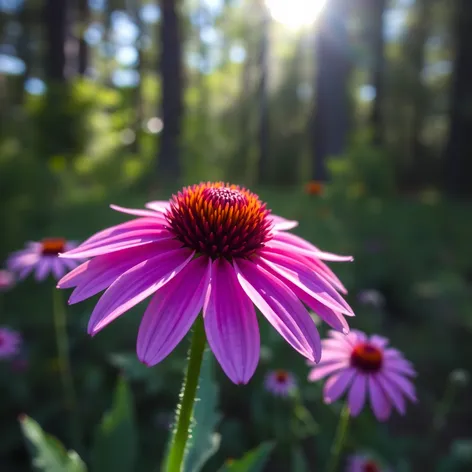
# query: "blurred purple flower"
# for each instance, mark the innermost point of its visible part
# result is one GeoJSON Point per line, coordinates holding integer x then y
{"type": "Point", "coordinates": [363, 463]}
{"type": "Point", "coordinates": [371, 297]}
{"type": "Point", "coordinates": [365, 366]}
{"type": "Point", "coordinates": [43, 257]}
{"type": "Point", "coordinates": [280, 383]}
{"type": "Point", "coordinates": [10, 343]}
{"type": "Point", "coordinates": [7, 280]}
{"type": "Point", "coordinates": [213, 248]}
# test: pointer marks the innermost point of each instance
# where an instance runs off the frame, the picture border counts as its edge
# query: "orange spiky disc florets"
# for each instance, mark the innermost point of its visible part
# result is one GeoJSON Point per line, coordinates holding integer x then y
{"type": "Point", "coordinates": [219, 220]}
{"type": "Point", "coordinates": [367, 357]}
{"type": "Point", "coordinates": [53, 246]}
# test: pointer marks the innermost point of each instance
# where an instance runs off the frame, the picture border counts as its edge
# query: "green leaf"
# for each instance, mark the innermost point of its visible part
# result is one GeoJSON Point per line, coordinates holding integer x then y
{"type": "Point", "coordinates": [205, 442]}
{"type": "Point", "coordinates": [48, 454]}
{"type": "Point", "coordinates": [299, 463]}
{"type": "Point", "coordinates": [132, 368]}
{"type": "Point", "coordinates": [115, 444]}
{"type": "Point", "coordinates": [135, 370]}
{"type": "Point", "coordinates": [253, 461]}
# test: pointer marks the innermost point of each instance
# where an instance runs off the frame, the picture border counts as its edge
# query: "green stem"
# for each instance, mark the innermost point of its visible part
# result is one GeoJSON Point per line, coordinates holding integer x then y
{"type": "Point", "coordinates": [62, 343]}
{"type": "Point", "coordinates": [339, 440]}
{"type": "Point", "coordinates": [184, 412]}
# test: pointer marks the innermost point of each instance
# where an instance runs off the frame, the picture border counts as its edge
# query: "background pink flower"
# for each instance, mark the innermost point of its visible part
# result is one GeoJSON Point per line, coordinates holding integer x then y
{"type": "Point", "coordinates": [365, 367]}
{"type": "Point", "coordinates": [280, 382]}
{"type": "Point", "coordinates": [214, 247]}
{"type": "Point", "coordinates": [42, 258]}
{"type": "Point", "coordinates": [10, 343]}
{"type": "Point", "coordinates": [363, 463]}
{"type": "Point", "coordinates": [7, 280]}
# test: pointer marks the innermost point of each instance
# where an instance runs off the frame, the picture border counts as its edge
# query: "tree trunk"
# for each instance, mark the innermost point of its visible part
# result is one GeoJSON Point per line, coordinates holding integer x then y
{"type": "Point", "coordinates": [26, 17]}
{"type": "Point", "coordinates": [84, 18]}
{"type": "Point", "coordinates": [55, 15]}
{"type": "Point", "coordinates": [458, 160]}
{"type": "Point", "coordinates": [331, 114]}
{"type": "Point", "coordinates": [135, 6]}
{"type": "Point", "coordinates": [377, 8]}
{"type": "Point", "coordinates": [415, 49]}
{"type": "Point", "coordinates": [263, 162]}
{"type": "Point", "coordinates": [168, 165]}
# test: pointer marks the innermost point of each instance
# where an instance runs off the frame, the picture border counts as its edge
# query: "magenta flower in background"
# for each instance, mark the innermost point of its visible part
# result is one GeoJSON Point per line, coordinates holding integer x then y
{"type": "Point", "coordinates": [363, 463]}
{"type": "Point", "coordinates": [280, 383]}
{"type": "Point", "coordinates": [367, 368]}
{"type": "Point", "coordinates": [10, 343]}
{"type": "Point", "coordinates": [214, 247]}
{"type": "Point", "coordinates": [7, 280]}
{"type": "Point", "coordinates": [42, 257]}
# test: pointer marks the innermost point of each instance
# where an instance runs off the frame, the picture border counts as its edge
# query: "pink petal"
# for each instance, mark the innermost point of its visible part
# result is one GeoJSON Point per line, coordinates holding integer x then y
{"type": "Point", "coordinates": [102, 271]}
{"type": "Point", "coordinates": [42, 269]}
{"type": "Point", "coordinates": [310, 282]}
{"type": "Point", "coordinates": [137, 284]}
{"type": "Point", "coordinates": [123, 228]}
{"type": "Point", "coordinates": [392, 353]}
{"type": "Point", "coordinates": [357, 394]}
{"type": "Point", "coordinates": [330, 356]}
{"type": "Point", "coordinates": [316, 265]}
{"type": "Point", "coordinates": [335, 319]}
{"type": "Point", "coordinates": [403, 384]}
{"type": "Point", "coordinates": [231, 324]}
{"type": "Point", "coordinates": [381, 405]}
{"type": "Point", "coordinates": [72, 279]}
{"type": "Point", "coordinates": [321, 371]}
{"type": "Point", "coordinates": [282, 224]}
{"type": "Point", "coordinates": [118, 243]}
{"type": "Point", "coordinates": [328, 274]}
{"type": "Point", "coordinates": [305, 247]}
{"type": "Point", "coordinates": [281, 307]}
{"type": "Point", "coordinates": [172, 311]}
{"type": "Point", "coordinates": [137, 212]}
{"type": "Point", "coordinates": [400, 366]}
{"type": "Point", "coordinates": [58, 268]}
{"type": "Point", "coordinates": [158, 205]}
{"type": "Point", "coordinates": [337, 385]}
{"type": "Point", "coordinates": [70, 264]}
{"type": "Point", "coordinates": [336, 345]}
{"type": "Point", "coordinates": [358, 336]}
{"type": "Point", "coordinates": [22, 259]}
{"type": "Point", "coordinates": [349, 340]}
{"type": "Point", "coordinates": [379, 341]}
{"type": "Point", "coordinates": [393, 393]}
{"type": "Point", "coordinates": [25, 272]}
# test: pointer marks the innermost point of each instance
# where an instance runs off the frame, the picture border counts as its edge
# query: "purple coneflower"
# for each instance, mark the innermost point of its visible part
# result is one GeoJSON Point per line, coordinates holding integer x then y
{"type": "Point", "coordinates": [362, 364]}
{"type": "Point", "coordinates": [363, 463]}
{"type": "Point", "coordinates": [43, 258]}
{"type": "Point", "coordinates": [10, 343]}
{"type": "Point", "coordinates": [7, 280]}
{"type": "Point", "coordinates": [213, 247]}
{"type": "Point", "coordinates": [280, 383]}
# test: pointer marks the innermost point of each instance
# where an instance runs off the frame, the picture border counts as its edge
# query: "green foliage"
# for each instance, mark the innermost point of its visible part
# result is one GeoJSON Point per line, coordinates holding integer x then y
{"type": "Point", "coordinates": [299, 462]}
{"type": "Point", "coordinates": [115, 445]}
{"type": "Point", "coordinates": [47, 453]}
{"type": "Point", "coordinates": [204, 441]}
{"type": "Point", "coordinates": [253, 461]}
{"type": "Point", "coordinates": [365, 169]}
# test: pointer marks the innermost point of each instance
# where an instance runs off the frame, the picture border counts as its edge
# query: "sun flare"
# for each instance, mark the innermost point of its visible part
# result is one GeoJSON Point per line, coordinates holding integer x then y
{"type": "Point", "coordinates": [295, 14]}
